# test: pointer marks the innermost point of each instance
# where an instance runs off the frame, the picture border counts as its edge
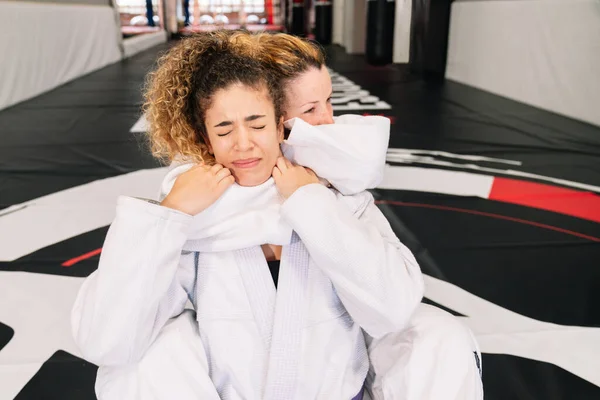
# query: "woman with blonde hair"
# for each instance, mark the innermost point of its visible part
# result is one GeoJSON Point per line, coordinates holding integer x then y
{"type": "Point", "coordinates": [434, 356]}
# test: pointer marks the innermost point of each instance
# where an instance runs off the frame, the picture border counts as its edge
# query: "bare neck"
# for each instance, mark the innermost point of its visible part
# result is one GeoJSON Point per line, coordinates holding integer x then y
{"type": "Point", "coordinates": [272, 252]}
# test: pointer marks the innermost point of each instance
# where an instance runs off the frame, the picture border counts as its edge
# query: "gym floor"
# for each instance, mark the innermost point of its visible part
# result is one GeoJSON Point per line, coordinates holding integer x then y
{"type": "Point", "coordinates": [498, 200]}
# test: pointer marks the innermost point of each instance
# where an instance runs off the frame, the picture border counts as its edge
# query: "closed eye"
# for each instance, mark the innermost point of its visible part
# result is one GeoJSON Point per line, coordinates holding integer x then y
{"type": "Point", "coordinates": [309, 111]}
{"type": "Point", "coordinates": [258, 128]}
{"type": "Point", "coordinates": [223, 134]}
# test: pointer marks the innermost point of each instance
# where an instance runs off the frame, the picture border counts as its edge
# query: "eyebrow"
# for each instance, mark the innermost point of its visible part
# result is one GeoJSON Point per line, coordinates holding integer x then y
{"type": "Point", "coordinates": [247, 119]}
{"type": "Point", "coordinates": [313, 102]}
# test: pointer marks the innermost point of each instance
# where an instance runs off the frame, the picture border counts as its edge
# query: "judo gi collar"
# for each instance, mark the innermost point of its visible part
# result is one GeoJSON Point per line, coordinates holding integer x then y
{"type": "Point", "coordinates": [350, 155]}
{"type": "Point", "coordinates": [242, 217]}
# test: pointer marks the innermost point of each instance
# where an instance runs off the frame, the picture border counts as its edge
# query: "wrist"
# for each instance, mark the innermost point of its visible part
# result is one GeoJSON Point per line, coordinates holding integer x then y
{"type": "Point", "coordinates": [169, 203]}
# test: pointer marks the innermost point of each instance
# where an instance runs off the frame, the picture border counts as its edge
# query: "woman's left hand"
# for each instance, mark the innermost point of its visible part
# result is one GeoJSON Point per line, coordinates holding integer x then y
{"type": "Point", "coordinates": [289, 177]}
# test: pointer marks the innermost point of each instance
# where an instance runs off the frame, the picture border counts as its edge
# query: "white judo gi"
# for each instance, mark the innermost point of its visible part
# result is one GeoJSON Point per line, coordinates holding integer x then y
{"type": "Point", "coordinates": [343, 273]}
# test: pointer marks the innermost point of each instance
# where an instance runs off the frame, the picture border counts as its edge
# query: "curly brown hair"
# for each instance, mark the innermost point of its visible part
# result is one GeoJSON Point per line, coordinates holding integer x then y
{"type": "Point", "coordinates": [180, 90]}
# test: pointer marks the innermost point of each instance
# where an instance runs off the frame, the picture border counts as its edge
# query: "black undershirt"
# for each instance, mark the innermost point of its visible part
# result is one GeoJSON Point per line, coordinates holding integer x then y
{"type": "Point", "coordinates": [274, 268]}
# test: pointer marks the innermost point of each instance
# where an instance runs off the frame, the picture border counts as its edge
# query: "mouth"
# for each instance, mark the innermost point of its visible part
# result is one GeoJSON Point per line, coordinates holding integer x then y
{"type": "Point", "coordinates": [246, 163]}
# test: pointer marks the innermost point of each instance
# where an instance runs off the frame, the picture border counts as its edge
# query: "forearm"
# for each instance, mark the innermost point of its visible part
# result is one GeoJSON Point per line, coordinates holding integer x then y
{"type": "Point", "coordinates": [121, 307]}
{"type": "Point", "coordinates": [376, 277]}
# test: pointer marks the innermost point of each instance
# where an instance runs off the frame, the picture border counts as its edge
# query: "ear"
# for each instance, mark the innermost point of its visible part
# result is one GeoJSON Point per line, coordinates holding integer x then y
{"type": "Point", "coordinates": [280, 130]}
{"type": "Point", "coordinates": [204, 139]}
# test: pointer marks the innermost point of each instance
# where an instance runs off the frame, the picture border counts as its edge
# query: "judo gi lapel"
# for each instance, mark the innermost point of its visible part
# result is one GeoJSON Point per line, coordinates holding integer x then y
{"type": "Point", "coordinates": [289, 321]}
{"type": "Point", "coordinates": [259, 289]}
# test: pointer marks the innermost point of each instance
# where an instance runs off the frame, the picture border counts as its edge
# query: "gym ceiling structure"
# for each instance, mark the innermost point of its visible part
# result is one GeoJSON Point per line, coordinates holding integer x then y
{"type": "Point", "coordinates": [493, 174]}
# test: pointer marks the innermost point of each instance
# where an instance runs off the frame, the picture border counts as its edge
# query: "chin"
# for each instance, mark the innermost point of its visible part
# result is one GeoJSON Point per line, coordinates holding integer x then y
{"type": "Point", "coordinates": [252, 179]}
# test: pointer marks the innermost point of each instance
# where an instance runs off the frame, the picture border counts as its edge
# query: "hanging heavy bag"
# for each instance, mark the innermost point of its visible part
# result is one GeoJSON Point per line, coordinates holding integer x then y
{"type": "Point", "coordinates": [380, 31]}
{"type": "Point", "coordinates": [298, 18]}
{"type": "Point", "coordinates": [323, 21]}
{"type": "Point", "coordinates": [430, 24]}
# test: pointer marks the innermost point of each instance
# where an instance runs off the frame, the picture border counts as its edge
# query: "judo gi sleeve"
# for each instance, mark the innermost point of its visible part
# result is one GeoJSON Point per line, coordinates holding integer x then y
{"type": "Point", "coordinates": [375, 276]}
{"type": "Point", "coordinates": [142, 280]}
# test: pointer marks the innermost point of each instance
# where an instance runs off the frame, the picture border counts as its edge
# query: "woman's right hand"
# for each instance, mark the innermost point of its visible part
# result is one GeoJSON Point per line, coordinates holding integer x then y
{"type": "Point", "coordinates": [198, 188]}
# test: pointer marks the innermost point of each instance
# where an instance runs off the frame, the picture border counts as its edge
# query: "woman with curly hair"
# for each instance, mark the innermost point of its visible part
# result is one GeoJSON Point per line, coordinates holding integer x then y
{"type": "Point", "coordinates": [284, 272]}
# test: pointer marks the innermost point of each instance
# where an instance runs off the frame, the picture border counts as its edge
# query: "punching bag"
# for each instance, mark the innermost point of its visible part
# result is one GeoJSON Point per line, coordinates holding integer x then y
{"type": "Point", "coordinates": [380, 31]}
{"type": "Point", "coordinates": [323, 21]}
{"type": "Point", "coordinates": [430, 23]}
{"type": "Point", "coordinates": [298, 18]}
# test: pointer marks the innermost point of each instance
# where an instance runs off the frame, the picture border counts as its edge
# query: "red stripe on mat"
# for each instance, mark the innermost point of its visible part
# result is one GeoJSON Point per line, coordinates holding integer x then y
{"type": "Point", "coordinates": [485, 214]}
{"type": "Point", "coordinates": [585, 205]}
{"type": "Point", "coordinates": [82, 257]}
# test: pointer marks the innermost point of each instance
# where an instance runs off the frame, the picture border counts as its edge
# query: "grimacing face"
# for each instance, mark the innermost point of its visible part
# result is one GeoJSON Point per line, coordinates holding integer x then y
{"type": "Point", "coordinates": [243, 133]}
{"type": "Point", "coordinates": [308, 97]}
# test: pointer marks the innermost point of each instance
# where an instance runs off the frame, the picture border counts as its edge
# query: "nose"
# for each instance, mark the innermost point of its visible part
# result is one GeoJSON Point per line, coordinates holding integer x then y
{"type": "Point", "coordinates": [243, 140]}
{"type": "Point", "coordinates": [326, 116]}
